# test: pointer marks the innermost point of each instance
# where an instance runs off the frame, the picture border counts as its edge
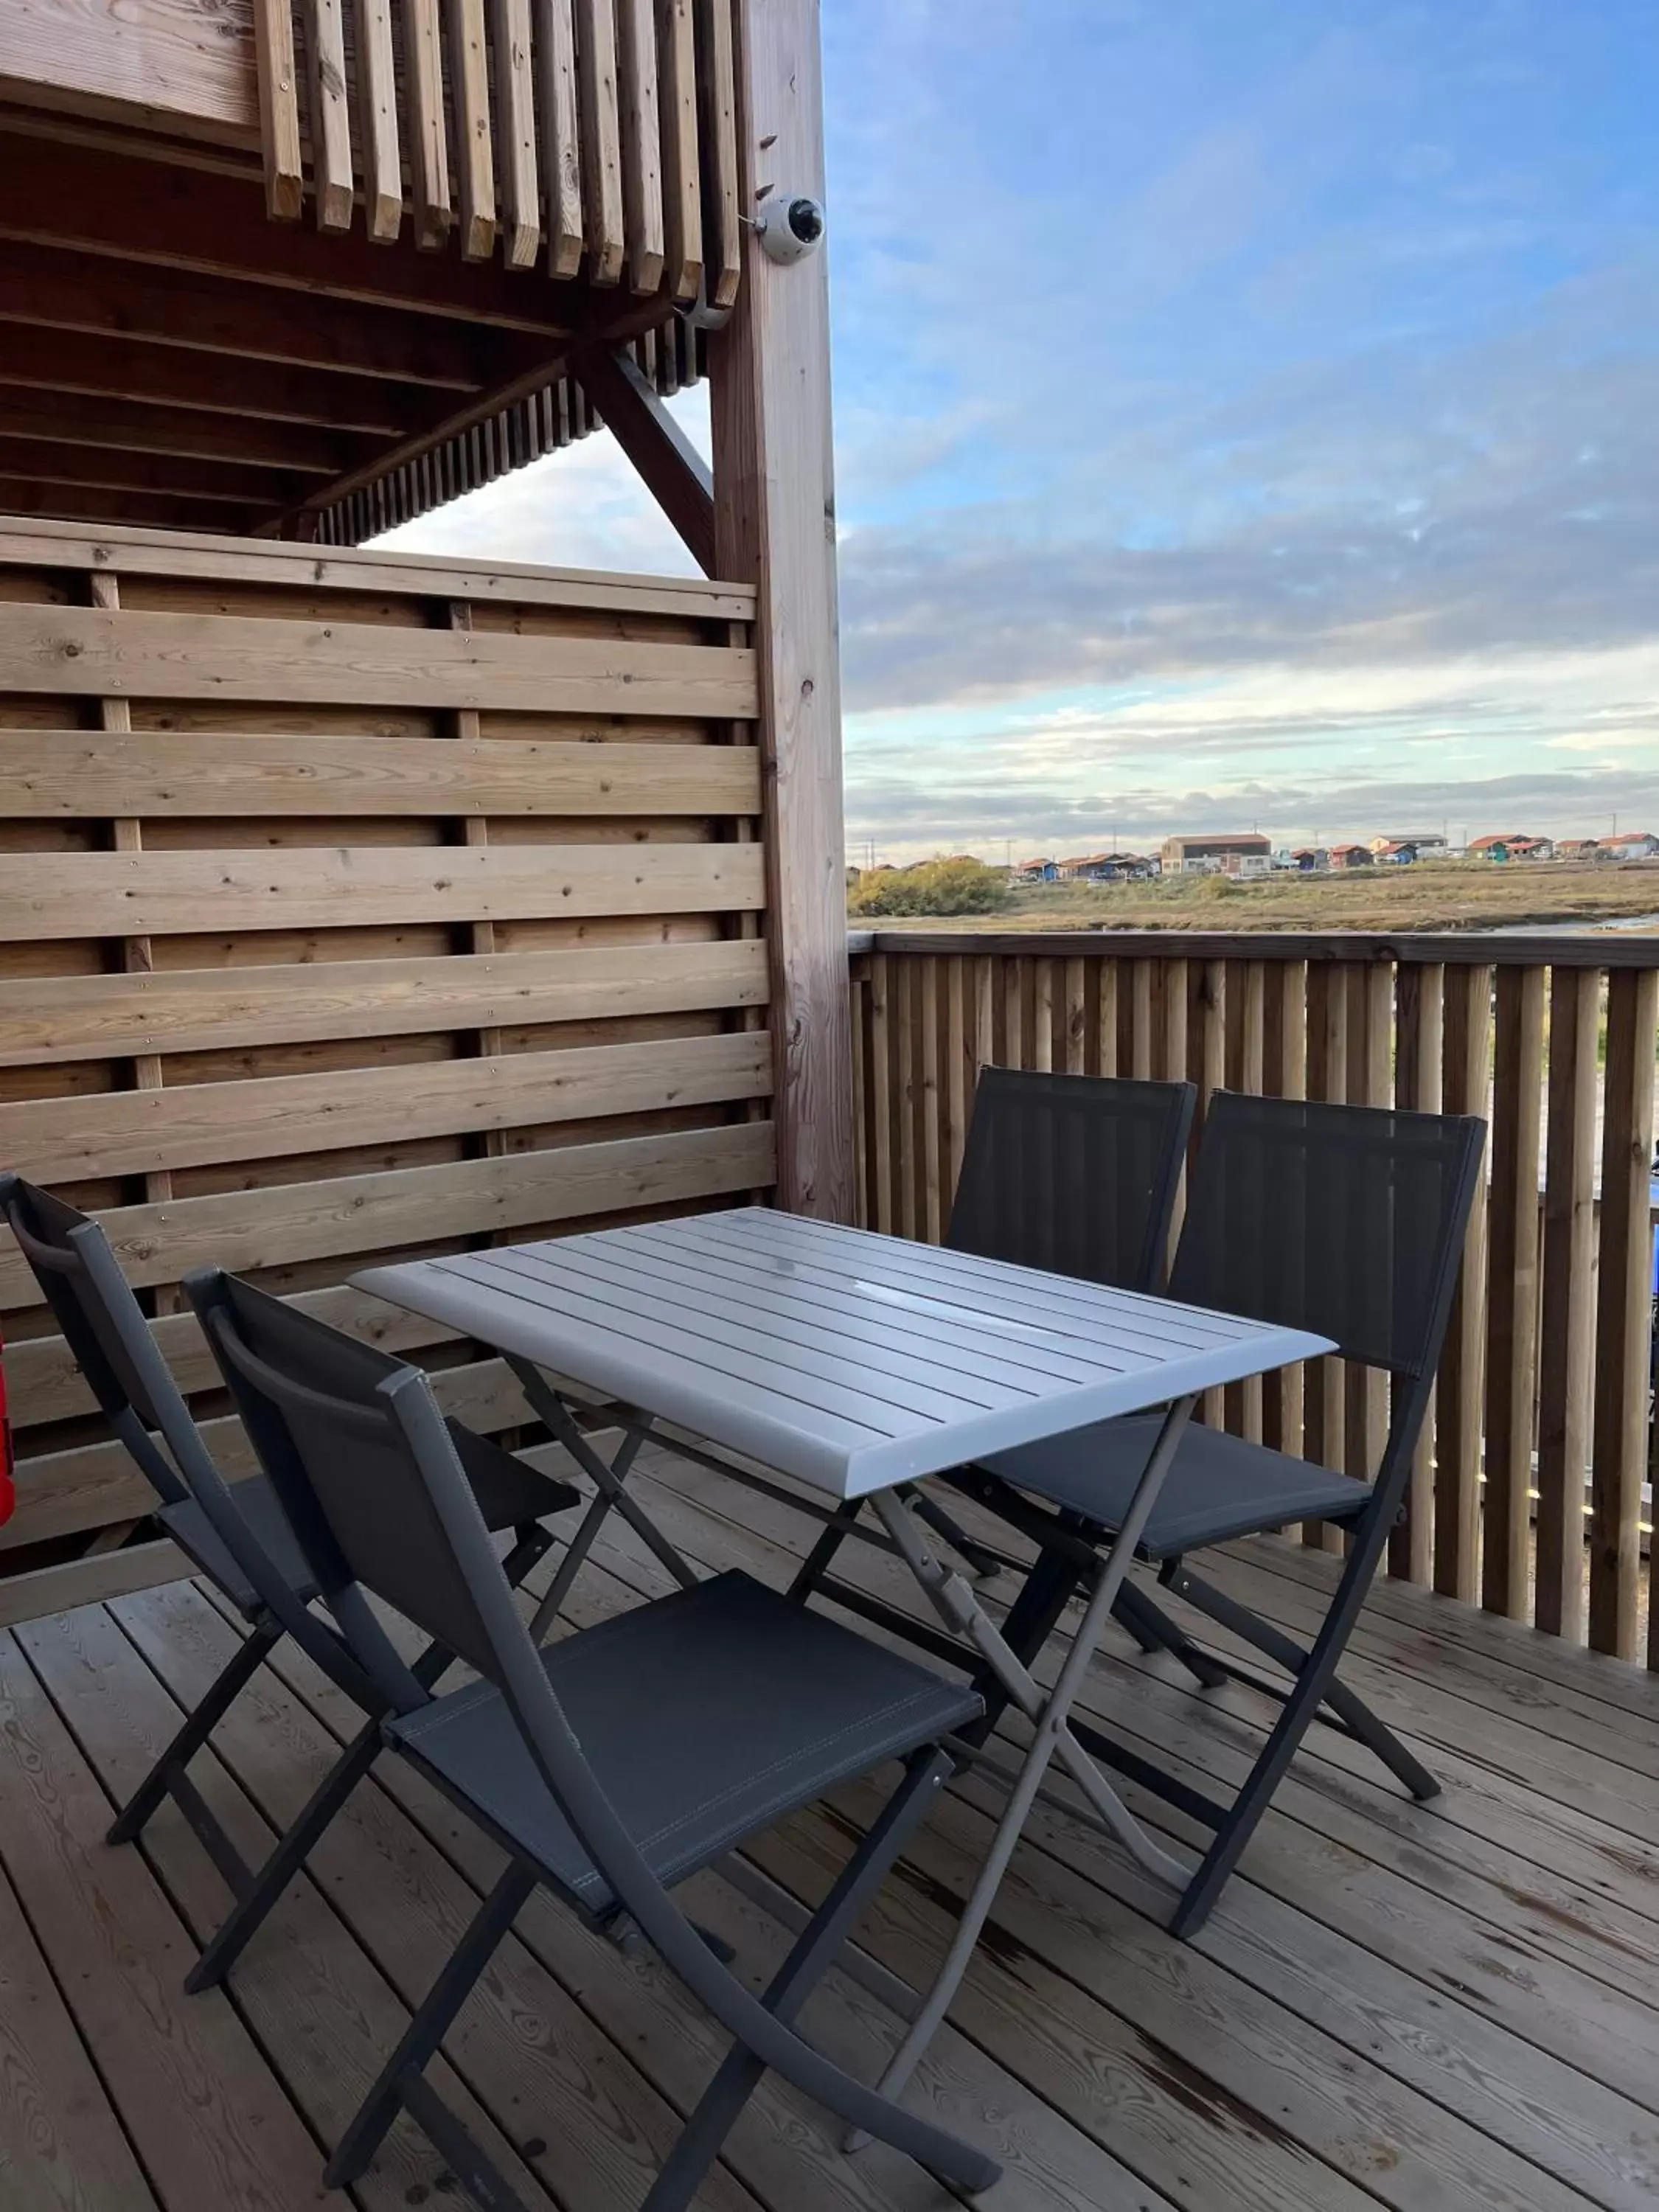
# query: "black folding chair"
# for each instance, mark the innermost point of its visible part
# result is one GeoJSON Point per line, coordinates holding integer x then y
{"type": "Point", "coordinates": [1074, 1174]}
{"type": "Point", "coordinates": [239, 1538]}
{"type": "Point", "coordinates": [1346, 1220]}
{"type": "Point", "coordinates": [608, 1767]}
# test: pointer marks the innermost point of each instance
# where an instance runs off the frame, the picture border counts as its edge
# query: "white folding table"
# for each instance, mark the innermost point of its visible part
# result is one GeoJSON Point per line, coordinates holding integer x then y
{"type": "Point", "coordinates": [856, 1364]}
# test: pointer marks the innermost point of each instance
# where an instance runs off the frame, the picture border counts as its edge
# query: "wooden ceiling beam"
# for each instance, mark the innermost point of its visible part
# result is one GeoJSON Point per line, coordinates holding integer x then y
{"type": "Point", "coordinates": [670, 466]}
{"type": "Point", "coordinates": [604, 318]}
{"type": "Point", "coordinates": [40, 461]}
{"type": "Point", "coordinates": [170, 307]}
{"type": "Point", "coordinates": [98, 368]}
{"type": "Point", "coordinates": [168, 68]}
{"type": "Point", "coordinates": [99, 202]}
{"type": "Point", "coordinates": [86, 502]}
{"type": "Point", "coordinates": [138, 430]}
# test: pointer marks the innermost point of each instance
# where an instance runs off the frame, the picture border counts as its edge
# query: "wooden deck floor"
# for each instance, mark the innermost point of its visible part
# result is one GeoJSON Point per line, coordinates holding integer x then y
{"type": "Point", "coordinates": [1450, 2007]}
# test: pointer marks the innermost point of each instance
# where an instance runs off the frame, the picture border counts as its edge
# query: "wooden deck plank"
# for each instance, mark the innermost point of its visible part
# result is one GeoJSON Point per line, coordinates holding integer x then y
{"type": "Point", "coordinates": [1586, 1917]}
{"type": "Point", "coordinates": [1610, 1733]}
{"type": "Point", "coordinates": [318, 2007]}
{"type": "Point", "coordinates": [1552, 1658]}
{"type": "Point", "coordinates": [1545, 1833]}
{"type": "Point", "coordinates": [1050, 2161]}
{"type": "Point", "coordinates": [1399, 2003]}
{"type": "Point", "coordinates": [780, 2145]}
{"type": "Point", "coordinates": [1534, 1749]}
{"type": "Point", "coordinates": [61, 2147]}
{"type": "Point", "coordinates": [524, 2049]}
{"type": "Point", "coordinates": [1440, 2008]}
{"type": "Point", "coordinates": [208, 2123]}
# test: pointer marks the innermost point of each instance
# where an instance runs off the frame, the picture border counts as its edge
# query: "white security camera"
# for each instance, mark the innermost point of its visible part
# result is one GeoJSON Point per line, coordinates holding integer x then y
{"type": "Point", "coordinates": [790, 226]}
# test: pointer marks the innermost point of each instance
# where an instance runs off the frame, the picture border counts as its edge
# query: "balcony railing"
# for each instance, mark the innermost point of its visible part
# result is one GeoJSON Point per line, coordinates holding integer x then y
{"type": "Point", "coordinates": [1531, 1496]}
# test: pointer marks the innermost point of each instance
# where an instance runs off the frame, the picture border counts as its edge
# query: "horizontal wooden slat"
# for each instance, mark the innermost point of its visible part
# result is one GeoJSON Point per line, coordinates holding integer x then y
{"type": "Point", "coordinates": [90, 652]}
{"type": "Point", "coordinates": [79, 895]}
{"type": "Point", "coordinates": [65, 1018]}
{"type": "Point", "coordinates": [47, 1590]}
{"type": "Point", "coordinates": [54, 773]}
{"type": "Point", "coordinates": [201, 1124]}
{"type": "Point", "coordinates": [1606, 948]}
{"type": "Point", "coordinates": [92, 1484]}
{"type": "Point", "coordinates": [160, 1242]}
{"type": "Point", "coordinates": [43, 1382]}
{"type": "Point", "coordinates": [222, 561]}
{"type": "Point", "coordinates": [155, 68]}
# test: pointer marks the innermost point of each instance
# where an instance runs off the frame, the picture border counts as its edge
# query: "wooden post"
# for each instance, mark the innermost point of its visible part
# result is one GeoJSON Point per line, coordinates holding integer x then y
{"type": "Point", "coordinates": [1623, 1321]}
{"type": "Point", "coordinates": [1464, 1088]}
{"type": "Point", "coordinates": [1567, 1336]}
{"type": "Point", "coordinates": [775, 526]}
{"type": "Point", "coordinates": [1419, 1050]}
{"type": "Point", "coordinates": [1512, 1249]}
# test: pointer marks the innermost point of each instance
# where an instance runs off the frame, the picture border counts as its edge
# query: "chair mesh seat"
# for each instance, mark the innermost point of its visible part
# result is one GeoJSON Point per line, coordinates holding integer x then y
{"type": "Point", "coordinates": [705, 1716]}
{"type": "Point", "coordinates": [1219, 1486]}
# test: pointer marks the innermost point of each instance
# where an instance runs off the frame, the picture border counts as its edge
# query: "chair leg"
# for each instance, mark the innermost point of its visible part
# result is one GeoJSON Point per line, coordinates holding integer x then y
{"type": "Point", "coordinates": [985, 1563]}
{"type": "Point", "coordinates": [816, 1564]}
{"type": "Point", "coordinates": [233, 1937]}
{"type": "Point", "coordinates": [261, 1890]}
{"type": "Point", "coordinates": [1316, 1679]}
{"type": "Point", "coordinates": [157, 1785]}
{"type": "Point", "coordinates": [1154, 1630]}
{"type": "Point", "coordinates": [811, 1958]}
{"type": "Point", "coordinates": [392, 2089]}
{"type": "Point", "coordinates": [1355, 1716]}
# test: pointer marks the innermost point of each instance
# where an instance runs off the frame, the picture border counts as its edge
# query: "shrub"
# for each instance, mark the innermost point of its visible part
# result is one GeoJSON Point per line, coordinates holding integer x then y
{"type": "Point", "coordinates": [936, 887]}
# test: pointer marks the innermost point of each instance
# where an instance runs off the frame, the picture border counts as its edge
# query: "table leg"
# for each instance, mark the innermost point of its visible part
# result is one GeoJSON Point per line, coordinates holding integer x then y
{"type": "Point", "coordinates": [1050, 1713]}
{"type": "Point", "coordinates": [609, 1495]}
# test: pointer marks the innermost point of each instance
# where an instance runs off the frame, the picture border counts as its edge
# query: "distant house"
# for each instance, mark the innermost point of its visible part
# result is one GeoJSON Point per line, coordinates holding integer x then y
{"type": "Point", "coordinates": [1394, 851]}
{"type": "Point", "coordinates": [1501, 844]}
{"type": "Point", "coordinates": [1037, 872]}
{"type": "Point", "coordinates": [1629, 845]}
{"type": "Point", "coordinates": [1388, 847]}
{"type": "Point", "coordinates": [1577, 848]}
{"type": "Point", "coordinates": [1351, 856]}
{"type": "Point", "coordinates": [1218, 854]}
{"type": "Point", "coordinates": [1532, 849]}
{"type": "Point", "coordinates": [1310, 859]}
{"type": "Point", "coordinates": [1107, 868]}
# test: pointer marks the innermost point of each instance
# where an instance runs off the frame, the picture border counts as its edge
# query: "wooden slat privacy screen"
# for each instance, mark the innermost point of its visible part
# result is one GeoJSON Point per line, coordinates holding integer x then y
{"type": "Point", "coordinates": [349, 908]}
{"type": "Point", "coordinates": [591, 137]}
{"type": "Point", "coordinates": [1528, 1490]}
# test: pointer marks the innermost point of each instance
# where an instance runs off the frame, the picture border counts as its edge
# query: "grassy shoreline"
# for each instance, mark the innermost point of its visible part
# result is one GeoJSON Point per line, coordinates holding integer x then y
{"type": "Point", "coordinates": [1437, 895]}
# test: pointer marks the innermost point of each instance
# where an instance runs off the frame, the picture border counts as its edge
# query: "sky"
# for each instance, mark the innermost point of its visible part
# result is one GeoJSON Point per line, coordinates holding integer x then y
{"type": "Point", "coordinates": [1247, 416]}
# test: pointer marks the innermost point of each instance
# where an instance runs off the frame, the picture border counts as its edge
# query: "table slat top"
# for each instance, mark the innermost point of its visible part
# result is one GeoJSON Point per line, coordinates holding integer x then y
{"type": "Point", "coordinates": [851, 1360]}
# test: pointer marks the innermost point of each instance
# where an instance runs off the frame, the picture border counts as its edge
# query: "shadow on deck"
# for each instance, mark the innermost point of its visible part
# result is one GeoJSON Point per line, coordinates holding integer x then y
{"type": "Point", "coordinates": [1452, 2006]}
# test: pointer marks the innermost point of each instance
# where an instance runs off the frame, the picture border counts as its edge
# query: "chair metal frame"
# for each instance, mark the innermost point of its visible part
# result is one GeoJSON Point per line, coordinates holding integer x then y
{"type": "Point", "coordinates": [82, 1283]}
{"type": "Point", "coordinates": [404, 1417]}
{"type": "Point", "coordinates": [1067, 1542]}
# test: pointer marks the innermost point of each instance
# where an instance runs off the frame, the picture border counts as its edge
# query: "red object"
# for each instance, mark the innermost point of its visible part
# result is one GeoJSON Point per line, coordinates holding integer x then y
{"type": "Point", "coordinates": [7, 1488]}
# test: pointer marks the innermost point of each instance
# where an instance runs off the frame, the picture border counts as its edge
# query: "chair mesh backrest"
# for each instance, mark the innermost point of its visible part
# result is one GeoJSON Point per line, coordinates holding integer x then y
{"type": "Point", "coordinates": [1346, 1220]}
{"type": "Point", "coordinates": [44, 1227]}
{"type": "Point", "coordinates": [1074, 1173]}
{"type": "Point", "coordinates": [315, 1403]}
